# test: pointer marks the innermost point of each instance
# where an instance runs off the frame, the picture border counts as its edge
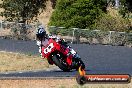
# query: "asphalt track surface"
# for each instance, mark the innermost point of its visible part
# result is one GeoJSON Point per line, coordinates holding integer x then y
{"type": "Point", "coordinates": [99, 59]}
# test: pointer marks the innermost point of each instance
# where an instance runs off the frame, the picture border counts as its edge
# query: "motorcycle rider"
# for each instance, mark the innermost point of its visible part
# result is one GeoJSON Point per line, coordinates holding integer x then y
{"type": "Point", "coordinates": [42, 40]}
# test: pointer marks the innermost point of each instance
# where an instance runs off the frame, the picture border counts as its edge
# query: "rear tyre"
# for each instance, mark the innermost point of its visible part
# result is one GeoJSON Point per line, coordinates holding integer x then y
{"type": "Point", "coordinates": [78, 62]}
{"type": "Point", "coordinates": [81, 80]}
{"type": "Point", "coordinates": [57, 59]}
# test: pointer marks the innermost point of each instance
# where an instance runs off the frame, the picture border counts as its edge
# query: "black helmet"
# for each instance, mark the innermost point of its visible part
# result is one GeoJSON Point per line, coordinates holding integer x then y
{"type": "Point", "coordinates": [41, 33]}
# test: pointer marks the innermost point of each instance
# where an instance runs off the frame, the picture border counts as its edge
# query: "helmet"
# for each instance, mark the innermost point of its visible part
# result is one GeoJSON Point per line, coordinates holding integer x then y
{"type": "Point", "coordinates": [41, 33]}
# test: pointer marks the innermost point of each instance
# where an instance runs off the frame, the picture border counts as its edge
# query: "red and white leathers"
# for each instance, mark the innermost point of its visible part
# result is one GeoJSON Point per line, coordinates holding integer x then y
{"type": "Point", "coordinates": [41, 43]}
{"type": "Point", "coordinates": [44, 42]}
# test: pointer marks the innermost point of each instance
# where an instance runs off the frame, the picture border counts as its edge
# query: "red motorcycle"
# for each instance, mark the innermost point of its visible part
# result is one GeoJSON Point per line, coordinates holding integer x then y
{"type": "Point", "coordinates": [59, 55]}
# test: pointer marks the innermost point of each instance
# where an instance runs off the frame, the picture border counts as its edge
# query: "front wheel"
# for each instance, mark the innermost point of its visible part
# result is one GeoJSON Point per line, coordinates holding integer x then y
{"type": "Point", "coordinates": [58, 60]}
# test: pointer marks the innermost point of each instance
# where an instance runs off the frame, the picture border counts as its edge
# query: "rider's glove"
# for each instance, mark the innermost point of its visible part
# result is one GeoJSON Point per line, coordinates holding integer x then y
{"type": "Point", "coordinates": [38, 43]}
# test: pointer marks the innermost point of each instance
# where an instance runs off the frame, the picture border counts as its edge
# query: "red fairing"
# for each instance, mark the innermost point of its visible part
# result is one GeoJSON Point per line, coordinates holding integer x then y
{"type": "Point", "coordinates": [53, 46]}
{"type": "Point", "coordinates": [49, 48]}
{"type": "Point", "coordinates": [69, 59]}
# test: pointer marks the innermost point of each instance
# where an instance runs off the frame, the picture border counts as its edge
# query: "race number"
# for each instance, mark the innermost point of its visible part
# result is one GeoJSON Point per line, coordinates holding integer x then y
{"type": "Point", "coordinates": [49, 48]}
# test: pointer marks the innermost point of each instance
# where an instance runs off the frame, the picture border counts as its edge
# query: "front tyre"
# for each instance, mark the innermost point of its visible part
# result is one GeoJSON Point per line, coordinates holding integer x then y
{"type": "Point", "coordinates": [57, 59]}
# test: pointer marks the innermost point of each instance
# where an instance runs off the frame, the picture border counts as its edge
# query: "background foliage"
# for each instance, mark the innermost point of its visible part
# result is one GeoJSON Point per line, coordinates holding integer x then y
{"type": "Point", "coordinates": [77, 13]}
{"type": "Point", "coordinates": [21, 10]}
{"type": "Point", "coordinates": [125, 7]}
{"type": "Point", "coordinates": [111, 23]}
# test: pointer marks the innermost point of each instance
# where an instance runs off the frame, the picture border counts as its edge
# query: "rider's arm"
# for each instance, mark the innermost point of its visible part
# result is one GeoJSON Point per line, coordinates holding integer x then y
{"type": "Point", "coordinates": [56, 38]}
{"type": "Point", "coordinates": [38, 43]}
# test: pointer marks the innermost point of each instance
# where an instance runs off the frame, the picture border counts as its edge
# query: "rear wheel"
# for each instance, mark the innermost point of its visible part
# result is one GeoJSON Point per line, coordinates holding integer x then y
{"type": "Point", "coordinates": [81, 80]}
{"type": "Point", "coordinates": [77, 63]}
{"type": "Point", "coordinates": [59, 61]}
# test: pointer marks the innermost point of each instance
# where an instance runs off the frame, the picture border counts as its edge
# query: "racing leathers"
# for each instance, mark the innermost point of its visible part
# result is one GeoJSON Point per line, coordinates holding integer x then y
{"type": "Point", "coordinates": [44, 42]}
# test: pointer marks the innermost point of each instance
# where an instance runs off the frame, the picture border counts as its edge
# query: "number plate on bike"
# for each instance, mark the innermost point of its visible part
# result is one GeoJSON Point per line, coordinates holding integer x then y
{"type": "Point", "coordinates": [49, 48]}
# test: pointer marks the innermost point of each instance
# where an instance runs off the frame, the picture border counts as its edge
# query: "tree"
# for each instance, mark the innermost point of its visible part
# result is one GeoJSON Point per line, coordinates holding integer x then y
{"type": "Point", "coordinates": [77, 13]}
{"type": "Point", "coordinates": [111, 23]}
{"type": "Point", "coordinates": [21, 10]}
{"type": "Point", "coordinates": [53, 3]}
{"type": "Point", "coordinates": [125, 8]}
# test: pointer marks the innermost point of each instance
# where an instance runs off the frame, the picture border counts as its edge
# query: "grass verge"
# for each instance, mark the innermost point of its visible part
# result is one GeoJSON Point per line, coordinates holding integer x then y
{"type": "Point", "coordinates": [20, 62]}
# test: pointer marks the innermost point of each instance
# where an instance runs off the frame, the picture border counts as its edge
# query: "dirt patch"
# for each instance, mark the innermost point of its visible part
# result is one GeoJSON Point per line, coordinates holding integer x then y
{"type": "Point", "coordinates": [5, 32]}
{"type": "Point", "coordinates": [20, 62]}
{"type": "Point", "coordinates": [55, 83]}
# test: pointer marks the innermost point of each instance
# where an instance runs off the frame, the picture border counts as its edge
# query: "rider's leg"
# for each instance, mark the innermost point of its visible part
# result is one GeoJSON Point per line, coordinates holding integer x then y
{"type": "Point", "coordinates": [40, 51]}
